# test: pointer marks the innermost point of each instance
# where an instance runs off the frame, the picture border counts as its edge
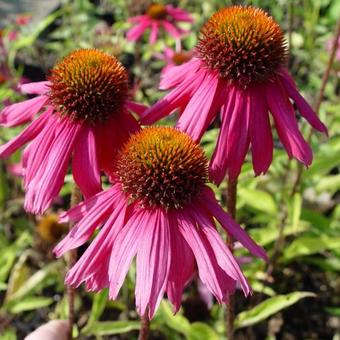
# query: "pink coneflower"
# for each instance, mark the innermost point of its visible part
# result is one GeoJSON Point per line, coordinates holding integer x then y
{"type": "Point", "coordinates": [239, 70]}
{"type": "Point", "coordinates": [156, 16]}
{"type": "Point", "coordinates": [83, 115]}
{"type": "Point", "coordinates": [161, 210]}
{"type": "Point", "coordinates": [173, 58]}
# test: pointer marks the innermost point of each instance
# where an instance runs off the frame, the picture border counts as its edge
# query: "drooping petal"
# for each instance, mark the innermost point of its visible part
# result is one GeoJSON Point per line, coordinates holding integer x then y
{"type": "Point", "coordinates": [25, 136]}
{"type": "Point", "coordinates": [85, 165]}
{"type": "Point", "coordinates": [306, 111]}
{"type": "Point", "coordinates": [111, 136]}
{"type": "Point", "coordinates": [176, 75]}
{"type": "Point", "coordinates": [172, 29]}
{"type": "Point", "coordinates": [21, 113]}
{"type": "Point", "coordinates": [94, 263]}
{"type": "Point", "coordinates": [182, 265]}
{"type": "Point", "coordinates": [135, 107]}
{"type": "Point", "coordinates": [224, 257]}
{"type": "Point", "coordinates": [179, 14]}
{"type": "Point", "coordinates": [125, 248]}
{"type": "Point", "coordinates": [260, 132]}
{"type": "Point", "coordinates": [154, 32]}
{"type": "Point", "coordinates": [209, 271]}
{"type": "Point", "coordinates": [49, 179]}
{"type": "Point", "coordinates": [78, 212]}
{"type": "Point", "coordinates": [219, 160]}
{"type": "Point", "coordinates": [209, 202]}
{"type": "Point", "coordinates": [238, 134]}
{"type": "Point", "coordinates": [84, 229]}
{"type": "Point", "coordinates": [136, 32]}
{"type": "Point", "coordinates": [202, 107]}
{"type": "Point", "coordinates": [286, 124]}
{"type": "Point", "coordinates": [35, 152]}
{"type": "Point", "coordinates": [153, 263]}
{"type": "Point", "coordinates": [176, 98]}
{"type": "Point", "coordinates": [40, 87]}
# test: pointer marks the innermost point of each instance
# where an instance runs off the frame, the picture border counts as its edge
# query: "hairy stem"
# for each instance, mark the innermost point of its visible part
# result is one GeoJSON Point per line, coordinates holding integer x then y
{"type": "Point", "coordinates": [231, 208]}
{"type": "Point", "coordinates": [144, 327]}
{"type": "Point", "coordinates": [76, 198]}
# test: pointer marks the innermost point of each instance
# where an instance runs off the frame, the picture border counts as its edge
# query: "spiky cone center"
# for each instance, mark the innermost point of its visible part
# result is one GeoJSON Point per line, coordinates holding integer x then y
{"type": "Point", "coordinates": [162, 167]}
{"type": "Point", "coordinates": [180, 58]}
{"type": "Point", "coordinates": [88, 85]}
{"type": "Point", "coordinates": [244, 44]}
{"type": "Point", "coordinates": [157, 12]}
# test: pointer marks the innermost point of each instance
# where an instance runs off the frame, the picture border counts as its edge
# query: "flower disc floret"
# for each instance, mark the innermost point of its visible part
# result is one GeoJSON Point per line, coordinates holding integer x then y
{"type": "Point", "coordinates": [161, 166]}
{"type": "Point", "coordinates": [88, 85]}
{"type": "Point", "coordinates": [157, 12]}
{"type": "Point", "coordinates": [244, 44]}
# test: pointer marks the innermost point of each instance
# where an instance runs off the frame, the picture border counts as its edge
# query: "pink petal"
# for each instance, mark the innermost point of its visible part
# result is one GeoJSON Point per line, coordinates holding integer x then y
{"type": "Point", "coordinates": [153, 263]}
{"type": "Point", "coordinates": [260, 132]}
{"type": "Point", "coordinates": [224, 257]}
{"type": "Point", "coordinates": [21, 113]}
{"type": "Point", "coordinates": [286, 124]}
{"type": "Point", "coordinates": [182, 265]}
{"type": "Point", "coordinates": [25, 136]}
{"type": "Point", "coordinates": [40, 87]}
{"type": "Point", "coordinates": [209, 202]}
{"type": "Point", "coordinates": [154, 32]}
{"type": "Point", "coordinates": [209, 271]}
{"type": "Point", "coordinates": [171, 29]}
{"type": "Point", "coordinates": [111, 136]}
{"type": "Point", "coordinates": [136, 32]}
{"type": "Point", "coordinates": [180, 73]}
{"type": "Point", "coordinates": [78, 212]}
{"type": "Point", "coordinates": [179, 14]}
{"type": "Point", "coordinates": [219, 160]}
{"type": "Point", "coordinates": [136, 107]}
{"type": "Point", "coordinates": [304, 108]}
{"type": "Point", "coordinates": [34, 153]}
{"type": "Point", "coordinates": [93, 266]}
{"type": "Point", "coordinates": [138, 18]}
{"type": "Point", "coordinates": [125, 248]}
{"type": "Point", "coordinates": [202, 107]}
{"type": "Point", "coordinates": [49, 179]}
{"type": "Point", "coordinates": [85, 165]}
{"type": "Point", "coordinates": [84, 229]}
{"type": "Point", "coordinates": [176, 98]}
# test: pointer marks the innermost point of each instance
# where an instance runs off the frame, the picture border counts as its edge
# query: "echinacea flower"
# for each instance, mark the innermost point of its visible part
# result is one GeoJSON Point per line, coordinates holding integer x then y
{"type": "Point", "coordinates": [157, 16]}
{"type": "Point", "coordinates": [160, 210]}
{"type": "Point", "coordinates": [239, 70]}
{"type": "Point", "coordinates": [80, 113]}
{"type": "Point", "coordinates": [173, 58]}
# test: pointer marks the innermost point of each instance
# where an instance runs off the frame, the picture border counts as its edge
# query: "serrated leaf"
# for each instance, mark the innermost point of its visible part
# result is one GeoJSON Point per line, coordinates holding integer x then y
{"type": "Point", "coordinates": [268, 307]}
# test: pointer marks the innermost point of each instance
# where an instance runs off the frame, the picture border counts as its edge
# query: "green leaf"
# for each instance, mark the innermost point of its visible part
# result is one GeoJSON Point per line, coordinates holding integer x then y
{"type": "Point", "coordinates": [29, 303]}
{"type": "Point", "coordinates": [176, 322]}
{"type": "Point", "coordinates": [333, 311]}
{"type": "Point", "coordinates": [100, 328]}
{"type": "Point", "coordinates": [269, 307]}
{"type": "Point", "coordinates": [259, 200]}
{"type": "Point", "coordinates": [98, 306]}
{"type": "Point", "coordinates": [309, 245]}
{"type": "Point", "coordinates": [200, 330]}
{"type": "Point", "coordinates": [9, 334]}
{"type": "Point", "coordinates": [33, 282]}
